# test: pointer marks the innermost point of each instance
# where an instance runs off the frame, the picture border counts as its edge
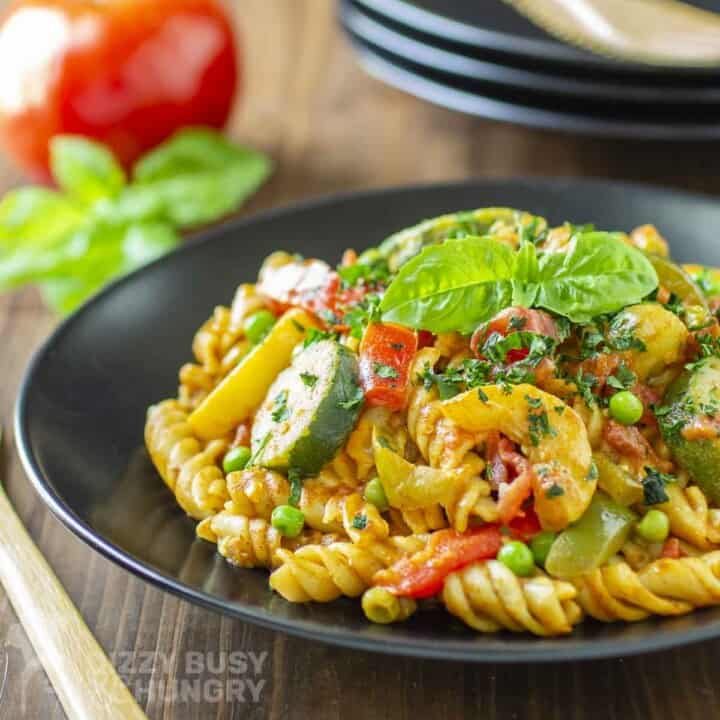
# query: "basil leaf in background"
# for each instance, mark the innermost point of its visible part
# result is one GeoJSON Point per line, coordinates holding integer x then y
{"type": "Point", "coordinates": [101, 253]}
{"type": "Point", "coordinates": [453, 286]}
{"type": "Point", "coordinates": [85, 169]}
{"type": "Point", "coordinates": [73, 242]}
{"type": "Point", "coordinates": [196, 177]}
{"type": "Point", "coordinates": [36, 216]}
{"type": "Point", "coordinates": [598, 273]}
{"type": "Point", "coordinates": [525, 276]}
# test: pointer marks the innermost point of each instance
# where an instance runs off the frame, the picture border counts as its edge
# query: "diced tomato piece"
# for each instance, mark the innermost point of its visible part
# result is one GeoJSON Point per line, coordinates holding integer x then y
{"type": "Point", "coordinates": [512, 495]}
{"type": "Point", "coordinates": [299, 283]}
{"type": "Point", "coordinates": [672, 549]}
{"type": "Point", "coordinates": [242, 435]}
{"type": "Point", "coordinates": [515, 319]}
{"type": "Point", "coordinates": [386, 352]}
{"type": "Point", "coordinates": [425, 339]}
{"type": "Point", "coordinates": [525, 526]}
{"type": "Point", "coordinates": [312, 285]}
{"type": "Point", "coordinates": [511, 475]}
{"type": "Point", "coordinates": [514, 356]}
{"type": "Point", "coordinates": [422, 575]}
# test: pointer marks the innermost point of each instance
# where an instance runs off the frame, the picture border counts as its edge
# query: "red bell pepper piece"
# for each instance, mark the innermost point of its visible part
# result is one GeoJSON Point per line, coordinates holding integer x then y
{"type": "Point", "coordinates": [422, 575]}
{"type": "Point", "coordinates": [386, 352]}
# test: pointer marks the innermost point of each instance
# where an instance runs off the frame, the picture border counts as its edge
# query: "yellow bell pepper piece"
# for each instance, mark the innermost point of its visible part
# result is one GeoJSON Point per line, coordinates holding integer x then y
{"type": "Point", "coordinates": [244, 389]}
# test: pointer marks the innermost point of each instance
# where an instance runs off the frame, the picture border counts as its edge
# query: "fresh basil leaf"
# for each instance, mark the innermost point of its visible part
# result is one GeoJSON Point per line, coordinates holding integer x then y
{"type": "Point", "coordinates": [453, 286]}
{"type": "Point", "coordinates": [597, 274]}
{"type": "Point", "coordinates": [37, 217]}
{"type": "Point", "coordinates": [525, 276]}
{"type": "Point", "coordinates": [85, 169]}
{"type": "Point", "coordinates": [194, 178]}
{"type": "Point", "coordinates": [145, 242]}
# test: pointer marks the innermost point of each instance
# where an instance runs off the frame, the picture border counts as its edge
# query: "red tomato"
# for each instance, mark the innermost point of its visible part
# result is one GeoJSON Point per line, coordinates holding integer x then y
{"type": "Point", "coordinates": [526, 526]}
{"type": "Point", "coordinates": [386, 352]}
{"type": "Point", "coordinates": [671, 549]}
{"type": "Point", "coordinates": [515, 319]}
{"type": "Point", "coordinates": [422, 575]}
{"type": "Point", "coordinates": [126, 72]}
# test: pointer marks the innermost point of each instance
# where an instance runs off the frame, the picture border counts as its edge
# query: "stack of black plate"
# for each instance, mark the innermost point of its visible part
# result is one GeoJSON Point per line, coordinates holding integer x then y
{"type": "Point", "coordinates": [482, 58]}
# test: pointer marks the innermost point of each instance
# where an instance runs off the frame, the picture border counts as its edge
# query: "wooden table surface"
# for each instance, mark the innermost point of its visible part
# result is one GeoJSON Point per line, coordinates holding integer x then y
{"type": "Point", "coordinates": [330, 127]}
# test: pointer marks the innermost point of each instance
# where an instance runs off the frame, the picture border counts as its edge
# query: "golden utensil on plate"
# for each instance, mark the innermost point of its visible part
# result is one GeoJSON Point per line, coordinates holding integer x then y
{"type": "Point", "coordinates": [83, 677]}
{"type": "Point", "coordinates": [655, 32]}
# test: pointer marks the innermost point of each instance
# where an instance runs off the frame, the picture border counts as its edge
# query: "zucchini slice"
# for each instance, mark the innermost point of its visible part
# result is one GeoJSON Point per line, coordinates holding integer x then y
{"type": "Point", "coordinates": [309, 411]}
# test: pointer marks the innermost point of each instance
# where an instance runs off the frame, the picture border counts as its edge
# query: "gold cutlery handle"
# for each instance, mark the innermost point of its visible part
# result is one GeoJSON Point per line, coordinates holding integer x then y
{"type": "Point", "coordinates": [81, 674]}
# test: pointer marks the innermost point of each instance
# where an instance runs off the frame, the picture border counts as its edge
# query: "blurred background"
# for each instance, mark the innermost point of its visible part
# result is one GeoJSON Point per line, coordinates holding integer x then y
{"type": "Point", "coordinates": [328, 125]}
{"type": "Point", "coordinates": [342, 95]}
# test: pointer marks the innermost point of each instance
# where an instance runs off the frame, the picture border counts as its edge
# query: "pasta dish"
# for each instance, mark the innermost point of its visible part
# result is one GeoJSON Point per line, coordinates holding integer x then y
{"type": "Point", "coordinates": [518, 422]}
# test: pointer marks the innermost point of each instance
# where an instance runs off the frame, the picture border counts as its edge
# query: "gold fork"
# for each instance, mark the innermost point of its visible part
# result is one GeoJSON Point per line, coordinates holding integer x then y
{"type": "Point", "coordinates": [655, 32]}
{"type": "Point", "coordinates": [81, 674]}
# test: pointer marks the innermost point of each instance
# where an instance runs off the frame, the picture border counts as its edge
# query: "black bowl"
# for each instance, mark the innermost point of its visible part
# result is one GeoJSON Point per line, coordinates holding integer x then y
{"type": "Point", "coordinates": [81, 410]}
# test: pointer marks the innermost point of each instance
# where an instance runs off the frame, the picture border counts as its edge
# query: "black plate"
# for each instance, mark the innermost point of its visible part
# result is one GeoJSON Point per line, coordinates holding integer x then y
{"type": "Point", "coordinates": [536, 109]}
{"type": "Point", "coordinates": [377, 30]}
{"type": "Point", "coordinates": [492, 25]}
{"type": "Point", "coordinates": [80, 414]}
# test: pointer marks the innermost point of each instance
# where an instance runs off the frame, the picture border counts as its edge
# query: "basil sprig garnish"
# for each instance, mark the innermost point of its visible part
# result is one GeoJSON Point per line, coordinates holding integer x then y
{"type": "Point", "coordinates": [462, 283]}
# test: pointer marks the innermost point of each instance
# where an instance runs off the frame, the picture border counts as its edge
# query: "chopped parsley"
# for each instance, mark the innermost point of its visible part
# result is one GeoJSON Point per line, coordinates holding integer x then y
{"type": "Point", "coordinates": [654, 486]}
{"type": "Point", "coordinates": [534, 231]}
{"type": "Point", "coordinates": [585, 382]}
{"type": "Point", "coordinates": [372, 273]}
{"type": "Point", "coordinates": [281, 411]}
{"type": "Point", "coordinates": [534, 402]}
{"type": "Point", "coordinates": [385, 371]}
{"type": "Point", "coordinates": [360, 521]}
{"type": "Point", "coordinates": [622, 379]}
{"type": "Point", "coordinates": [314, 335]}
{"type": "Point", "coordinates": [554, 491]}
{"type": "Point", "coordinates": [354, 400]}
{"type": "Point", "coordinates": [482, 395]}
{"type": "Point", "coordinates": [362, 314]}
{"type": "Point", "coordinates": [621, 336]}
{"type": "Point", "coordinates": [539, 427]}
{"type": "Point", "coordinates": [593, 471]}
{"type": "Point", "coordinates": [295, 480]}
{"type": "Point", "coordinates": [309, 379]}
{"type": "Point", "coordinates": [447, 383]}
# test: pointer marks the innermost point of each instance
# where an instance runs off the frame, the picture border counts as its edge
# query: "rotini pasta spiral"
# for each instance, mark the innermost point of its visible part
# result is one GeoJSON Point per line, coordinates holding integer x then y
{"type": "Point", "coordinates": [488, 597]}
{"type": "Point", "coordinates": [190, 469]}
{"type": "Point", "coordinates": [325, 572]}
{"type": "Point", "coordinates": [669, 586]}
{"type": "Point", "coordinates": [218, 346]}
{"type": "Point", "coordinates": [690, 518]}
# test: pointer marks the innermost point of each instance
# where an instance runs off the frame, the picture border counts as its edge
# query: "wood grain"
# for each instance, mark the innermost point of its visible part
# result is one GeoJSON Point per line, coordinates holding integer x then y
{"type": "Point", "coordinates": [81, 674]}
{"type": "Point", "coordinates": [329, 127]}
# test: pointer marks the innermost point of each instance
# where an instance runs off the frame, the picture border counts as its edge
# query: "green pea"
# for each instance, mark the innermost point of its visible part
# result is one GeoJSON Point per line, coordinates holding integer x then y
{"type": "Point", "coordinates": [258, 325]}
{"type": "Point", "coordinates": [288, 520]}
{"type": "Point", "coordinates": [517, 556]}
{"type": "Point", "coordinates": [540, 546]}
{"type": "Point", "coordinates": [236, 459]}
{"type": "Point", "coordinates": [375, 494]}
{"type": "Point", "coordinates": [626, 408]}
{"type": "Point", "coordinates": [654, 527]}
